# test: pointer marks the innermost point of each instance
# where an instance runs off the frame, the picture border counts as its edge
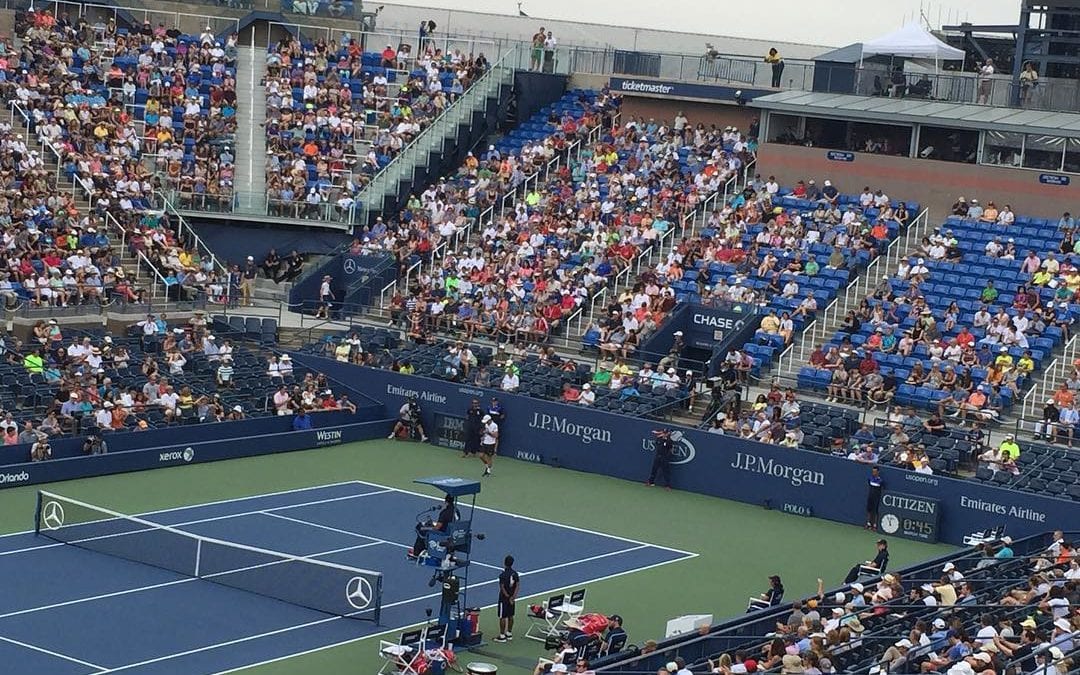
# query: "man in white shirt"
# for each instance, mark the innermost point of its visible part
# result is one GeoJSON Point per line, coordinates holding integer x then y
{"type": "Point", "coordinates": [168, 401]}
{"type": "Point", "coordinates": [510, 381]}
{"type": "Point", "coordinates": [103, 417]}
{"type": "Point", "coordinates": [588, 396]}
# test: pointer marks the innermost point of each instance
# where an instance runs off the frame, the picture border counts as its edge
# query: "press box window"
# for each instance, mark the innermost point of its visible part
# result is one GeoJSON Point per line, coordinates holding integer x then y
{"type": "Point", "coordinates": [948, 144]}
{"type": "Point", "coordinates": [1003, 148]}
{"type": "Point", "coordinates": [1043, 152]}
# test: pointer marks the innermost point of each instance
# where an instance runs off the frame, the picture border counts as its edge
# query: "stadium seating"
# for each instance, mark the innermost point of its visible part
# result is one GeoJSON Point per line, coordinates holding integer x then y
{"type": "Point", "coordinates": [962, 281]}
{"type": "Point", "coordinates": [883, 623]}
{"type": "Point", "coordinates": [336, 115]}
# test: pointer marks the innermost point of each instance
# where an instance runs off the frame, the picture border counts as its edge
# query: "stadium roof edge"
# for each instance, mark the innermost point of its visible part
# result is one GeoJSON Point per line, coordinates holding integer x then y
{"type": "Point", "coordinates": [921, 111]}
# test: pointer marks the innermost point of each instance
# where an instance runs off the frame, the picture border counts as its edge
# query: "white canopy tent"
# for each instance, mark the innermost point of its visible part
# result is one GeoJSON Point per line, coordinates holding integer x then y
{"type": "Point", "coordinates": [912, 41]}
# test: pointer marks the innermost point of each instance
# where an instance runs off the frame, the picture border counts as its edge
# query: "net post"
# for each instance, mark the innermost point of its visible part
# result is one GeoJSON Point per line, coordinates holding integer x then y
{"type": "Point", "coordinates": [37, 515]}
{"type": "Point", "coordinates": [198, 557]}
{"type": "Point", "coordinates": [378, 598]}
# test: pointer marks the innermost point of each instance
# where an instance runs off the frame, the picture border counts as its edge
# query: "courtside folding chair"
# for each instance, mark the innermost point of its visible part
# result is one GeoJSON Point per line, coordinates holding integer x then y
{"type": "Point", "coordinates": [435, 636]}
{"type": "Point", "coordinates": [400, 658]}
{"type": "Point", "coordinates": [984, 536]}
{"type": "Point", "coordinates": [574, 605]}
{"type": "Point", "coordinates": [547, 625]}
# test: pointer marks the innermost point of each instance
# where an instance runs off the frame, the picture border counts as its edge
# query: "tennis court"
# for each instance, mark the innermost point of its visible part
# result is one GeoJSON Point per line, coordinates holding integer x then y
{"type": "Point", "coordinates": [70, 610]}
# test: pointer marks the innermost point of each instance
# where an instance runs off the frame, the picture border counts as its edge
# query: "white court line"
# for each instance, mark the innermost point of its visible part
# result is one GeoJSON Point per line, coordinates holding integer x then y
{"type": "Point", "coordinates": [279, 631]}
{"type": "Point", "coordinates": [31, 549]}
{"type": "Point", "coordinates": [365, 536]}
{"type": "Point", "coordinates": [382, 490]}
{"type": "Point", "coordinates": [65, 657]}
{"type": "Point", "coordinates": [537, 520]}
{"type": "Point", "coordinates": [399, 629]}
{"type": "Point", "coordinates": [176, 582]}
{"type": "Point", "coordinates": [219, 502]}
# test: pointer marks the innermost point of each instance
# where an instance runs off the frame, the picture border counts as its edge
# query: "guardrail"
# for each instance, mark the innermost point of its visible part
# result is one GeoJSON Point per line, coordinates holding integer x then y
{"type": "Point", "coordinates": [373, 195]}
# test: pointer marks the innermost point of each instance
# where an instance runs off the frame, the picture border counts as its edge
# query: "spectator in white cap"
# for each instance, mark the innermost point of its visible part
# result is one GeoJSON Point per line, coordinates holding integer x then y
{"type": "Point", "coordinates": [1063, 635]}
{"type": "Point", "coordinates": [896, 656]}
{"type": "Point", "coordinates": [588, 396]}
{"type": "Point", "coordinates": [954, 574]}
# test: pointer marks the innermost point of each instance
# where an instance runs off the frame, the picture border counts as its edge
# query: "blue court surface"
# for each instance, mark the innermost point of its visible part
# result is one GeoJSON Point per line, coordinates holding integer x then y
{"type": "Point", "coordinates": [71, 611]}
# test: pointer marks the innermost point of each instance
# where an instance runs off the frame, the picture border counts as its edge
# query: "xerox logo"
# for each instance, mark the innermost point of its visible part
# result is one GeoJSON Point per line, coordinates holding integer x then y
{"type": "Point", "coordinates": [186, 455]}
{"type": "Point", "coordinates": [12, 478]}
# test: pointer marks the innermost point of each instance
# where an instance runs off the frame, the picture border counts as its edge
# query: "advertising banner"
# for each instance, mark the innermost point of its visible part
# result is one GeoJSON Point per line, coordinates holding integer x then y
{"type": "Point", "coordinates": [629, 86]}
{"type": "Point", "coordinates": [181, 452]}
{"type": "Point", "coordinates": [795, 481]}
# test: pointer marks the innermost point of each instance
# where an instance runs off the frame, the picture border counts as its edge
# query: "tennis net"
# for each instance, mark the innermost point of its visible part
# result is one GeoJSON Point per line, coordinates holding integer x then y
{"type": "Point", "coordinates": [323, 586]}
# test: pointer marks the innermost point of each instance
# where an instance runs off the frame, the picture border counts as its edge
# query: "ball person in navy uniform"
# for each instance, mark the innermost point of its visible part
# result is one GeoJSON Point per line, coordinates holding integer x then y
{"type": "Point", "coordinates": [509, 584]}
{"type": "Point", "coordinates": [875, 484]}
{"type": "Point", "coordinates": [663, 453]}
{"type": "Point", "coordinates": [473, 428]}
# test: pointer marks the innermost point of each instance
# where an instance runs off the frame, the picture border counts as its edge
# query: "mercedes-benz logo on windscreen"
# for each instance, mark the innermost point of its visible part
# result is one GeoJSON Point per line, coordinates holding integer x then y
{"type": "Point", "coordinates": [358, 592]}
{"type": "Point", "coordinates": [350, 266]}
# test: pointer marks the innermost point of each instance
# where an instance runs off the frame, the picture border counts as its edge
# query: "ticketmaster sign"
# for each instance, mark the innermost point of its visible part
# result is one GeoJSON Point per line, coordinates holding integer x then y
{"type": "Point", "coordinates": [632, 86]}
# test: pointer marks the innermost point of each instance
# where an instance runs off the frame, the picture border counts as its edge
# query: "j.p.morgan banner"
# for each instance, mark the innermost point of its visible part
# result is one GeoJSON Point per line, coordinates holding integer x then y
{"type": "Point", "coordinates": [578, 438]}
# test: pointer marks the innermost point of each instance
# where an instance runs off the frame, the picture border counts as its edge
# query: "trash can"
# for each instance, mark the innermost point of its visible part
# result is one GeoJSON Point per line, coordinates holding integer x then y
{"type": "Point", "coordinates": [480, 668]}
{"type": "Point", "coordinates": [472, 616]}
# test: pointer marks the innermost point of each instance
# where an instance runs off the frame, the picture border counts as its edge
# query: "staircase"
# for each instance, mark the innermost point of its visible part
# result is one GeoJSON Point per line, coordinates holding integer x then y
{"type": "Point", "coordinates": [250, 177]}
{"type": "Point", "coordinates": [440, 136]}
{"type": "Point", "coordinates": [831, 317]}
{"type": "Point", "coordinates": [143, 277]}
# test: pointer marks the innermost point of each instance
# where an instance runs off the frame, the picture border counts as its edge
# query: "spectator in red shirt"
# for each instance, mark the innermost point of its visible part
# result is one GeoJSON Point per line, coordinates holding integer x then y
{"type": "Point", "coordinates": [389, 57]}
{"type": "Point", "coordinates": [328, 402]}
{"type": "Point", "coordinates": [965, 338]}
{"type": "Point", "coordinates": [868, 364]}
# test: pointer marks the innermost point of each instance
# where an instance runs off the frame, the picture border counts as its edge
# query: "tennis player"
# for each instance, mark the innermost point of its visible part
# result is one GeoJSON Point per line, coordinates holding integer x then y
{"type": "Point", "coordinates": [489, 443]}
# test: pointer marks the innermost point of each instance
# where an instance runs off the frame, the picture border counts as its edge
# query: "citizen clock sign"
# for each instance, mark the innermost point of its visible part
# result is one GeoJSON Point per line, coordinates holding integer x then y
{"type": "Point", "coordinates": [909, 516]}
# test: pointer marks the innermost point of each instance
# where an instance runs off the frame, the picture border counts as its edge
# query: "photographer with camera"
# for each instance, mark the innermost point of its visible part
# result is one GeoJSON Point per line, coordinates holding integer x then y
{"type": "Point", "coordinates": [41, 450]}
{"type": "Point", "coordinates": [409, 423]}
{"type": "Point", "coordinates": [95, 445]}
{"type": "Point", "coordinates": [663, 453]}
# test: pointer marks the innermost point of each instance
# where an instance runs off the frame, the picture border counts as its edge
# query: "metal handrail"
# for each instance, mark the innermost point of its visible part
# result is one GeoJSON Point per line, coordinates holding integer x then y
{"type": "Point", "coordinates": [449, 118]}
{"type": "Point", "coordinates": [184, 230]}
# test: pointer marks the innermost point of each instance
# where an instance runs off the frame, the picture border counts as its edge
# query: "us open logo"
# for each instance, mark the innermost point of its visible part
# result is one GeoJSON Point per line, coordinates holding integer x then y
{"type": "Point", "coordinates": [683, 451]}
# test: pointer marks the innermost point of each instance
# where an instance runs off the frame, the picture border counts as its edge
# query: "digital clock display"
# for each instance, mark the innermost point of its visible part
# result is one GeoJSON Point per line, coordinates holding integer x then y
{"type": "Point", "coordinates": [909, 516]}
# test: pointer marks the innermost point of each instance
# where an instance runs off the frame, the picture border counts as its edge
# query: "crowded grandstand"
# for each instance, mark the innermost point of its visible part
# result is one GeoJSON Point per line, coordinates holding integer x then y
{"type": "Point", "coordinates": [748, 285]}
